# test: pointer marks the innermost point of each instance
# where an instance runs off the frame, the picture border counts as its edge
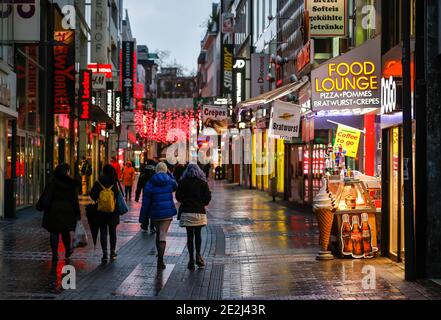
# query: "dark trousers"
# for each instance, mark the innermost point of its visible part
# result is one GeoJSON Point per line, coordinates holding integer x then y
{"type": "Point", "coordinates": [194, 238]}
{"type": "Point", "coordinates": [54, 240]}
{"type": "Point", "coordinates": [108, 229]}
{"type": "Point", "coordinates": [128, 192]}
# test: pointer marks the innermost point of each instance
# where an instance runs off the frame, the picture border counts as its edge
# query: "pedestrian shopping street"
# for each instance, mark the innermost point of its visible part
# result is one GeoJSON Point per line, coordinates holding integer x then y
{"type": "Point", "coordinates": [254, 249]}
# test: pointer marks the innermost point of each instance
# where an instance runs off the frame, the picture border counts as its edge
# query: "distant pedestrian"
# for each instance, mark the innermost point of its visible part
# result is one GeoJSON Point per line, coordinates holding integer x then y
{"type": "Point", "coordinates": [178, 172]}
{"type": "Point", "coordinates": [128, 178]}
{"type": "Point", "coordinates": [86, 173]}
{"type": "Point", "coordinates": [59, 202]}
{"type": "Point", "coordinates": [158, 205]}
{"type": "Point", "coordinates": [148, 172]}
{"type": "Point", "coordinates": [105, 192]}
{"type": "Point", "coordinates": [116, 166]}
{"type": "Point", "coordinates": [194, 195]}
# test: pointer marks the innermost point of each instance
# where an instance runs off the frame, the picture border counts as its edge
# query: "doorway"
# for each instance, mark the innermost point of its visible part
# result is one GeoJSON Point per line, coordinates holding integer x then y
{"type": "Point", "coordinates": [396, 194]}
{"type": "Point", "coordinates": [29, 168]}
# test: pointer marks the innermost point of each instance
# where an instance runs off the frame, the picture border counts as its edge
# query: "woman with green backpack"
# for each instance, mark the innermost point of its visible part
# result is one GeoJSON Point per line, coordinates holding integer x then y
{"type": "Point", "coordinates": [105, 192]}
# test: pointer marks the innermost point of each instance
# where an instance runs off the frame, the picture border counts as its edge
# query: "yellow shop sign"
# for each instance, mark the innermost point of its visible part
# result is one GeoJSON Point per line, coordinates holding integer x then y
{"type": "Point", "coordinates": [346, 77]}
{"type": "Point", "coordinates": [349, 139]}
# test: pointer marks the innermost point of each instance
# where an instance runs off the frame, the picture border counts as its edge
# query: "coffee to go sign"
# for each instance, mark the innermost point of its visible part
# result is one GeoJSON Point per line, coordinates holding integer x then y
{"type": "Point", "coordinates": [351, 81]}
{"type": "Point", "coordinates": [349, 139]}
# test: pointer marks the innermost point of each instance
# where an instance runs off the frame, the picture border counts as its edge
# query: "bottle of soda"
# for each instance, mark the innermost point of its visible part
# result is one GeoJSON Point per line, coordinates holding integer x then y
{"type": "Point", "coordinates": [366, 234]}
{"type": "Point", "coordinates": [357, 243]}
{"type": "Point", "coordinates": [346, 232]}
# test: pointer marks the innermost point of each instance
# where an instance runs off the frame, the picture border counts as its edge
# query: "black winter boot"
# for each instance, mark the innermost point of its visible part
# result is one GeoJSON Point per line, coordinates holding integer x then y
{"type": "Point", "coordinates": [161, 251]}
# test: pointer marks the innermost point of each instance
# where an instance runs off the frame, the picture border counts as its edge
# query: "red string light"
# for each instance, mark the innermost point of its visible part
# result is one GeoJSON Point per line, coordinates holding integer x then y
{"type": "Point", "coordinates": [155, 125]}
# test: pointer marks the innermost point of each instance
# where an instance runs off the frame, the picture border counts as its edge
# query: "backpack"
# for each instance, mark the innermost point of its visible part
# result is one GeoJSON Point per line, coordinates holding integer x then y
{"type": "Point", "coordinates": [106, 200]}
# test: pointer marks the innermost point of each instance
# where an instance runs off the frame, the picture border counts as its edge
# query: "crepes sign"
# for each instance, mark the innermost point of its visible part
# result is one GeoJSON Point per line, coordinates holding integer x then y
{"type": "Point", "coordinates": [285, 121]}
{"type": "Point", "coordinates": [215, 117]}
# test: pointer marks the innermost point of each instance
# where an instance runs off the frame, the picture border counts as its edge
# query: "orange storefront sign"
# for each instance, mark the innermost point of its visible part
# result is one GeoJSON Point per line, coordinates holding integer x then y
{"type": "Point", "coordinates": [303, 57]}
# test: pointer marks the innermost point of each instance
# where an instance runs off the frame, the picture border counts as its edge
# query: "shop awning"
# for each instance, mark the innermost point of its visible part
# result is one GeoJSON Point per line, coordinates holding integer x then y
{"type": "Point", "coordinates": [99, 115]}
{"type": "Point", "coordinates": [271, 96]}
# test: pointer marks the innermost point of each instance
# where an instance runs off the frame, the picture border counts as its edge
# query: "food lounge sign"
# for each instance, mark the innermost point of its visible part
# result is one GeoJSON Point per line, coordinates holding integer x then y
{"type": "Point", "coordinates": [350, 81]}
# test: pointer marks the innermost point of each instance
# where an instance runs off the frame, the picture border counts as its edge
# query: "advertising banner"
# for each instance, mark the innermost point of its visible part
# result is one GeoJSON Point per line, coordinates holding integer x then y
{"type": "Point", "coordinates": [327, 18]}
{"type": "Point", "coordinates": [128, 51]}
{"type": "Point", "coordinates": [64, 72]}
{"type": "Point", "coordinates": [109, 99]}
{"type": "Point", "coordinates": [215, 117]}
{"type": "Point", "coordinates": [99, 30]}
{"type": "Point", "coordinates": [25, 15]}
{"type": "Point", "coordinates": [105, 69]}
{"type": "Point", "coordinates": [349, 139]}
{"type": "Point", "coordinates": [350, 81]}
{"type": "Point", "coordinates": [227, 23]}
{"type": "Point", "coordinates": [305, 56]}
{"type": "Point", "coordinates": [260, 64]}
{"type": "Point", "coordinates": [85, 95]}
{"type": "Point", "coordinates": [227, 62]}
{"type": "Point", "coordinates": [239, 79]}
{"type": "Point", "coordinates": [285, 121]}
{"type": "Point", "coordinates": [99, 81]}
{"type": "Point", "coordinates": [118, 108]}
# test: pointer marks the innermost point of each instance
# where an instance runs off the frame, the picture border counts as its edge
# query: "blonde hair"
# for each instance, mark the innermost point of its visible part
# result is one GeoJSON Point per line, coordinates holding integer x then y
{"type": "Point", "coordinates": [161, 168]}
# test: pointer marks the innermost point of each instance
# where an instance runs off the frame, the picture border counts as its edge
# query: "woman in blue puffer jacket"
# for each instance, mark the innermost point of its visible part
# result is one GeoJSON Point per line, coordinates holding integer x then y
{"type": "Point", "coordinates": [158, 205]}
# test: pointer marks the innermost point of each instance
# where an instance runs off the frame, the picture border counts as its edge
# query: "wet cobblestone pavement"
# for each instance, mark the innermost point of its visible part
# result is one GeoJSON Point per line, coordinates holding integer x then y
{"type": "Point", "coordinates": [254, 249]}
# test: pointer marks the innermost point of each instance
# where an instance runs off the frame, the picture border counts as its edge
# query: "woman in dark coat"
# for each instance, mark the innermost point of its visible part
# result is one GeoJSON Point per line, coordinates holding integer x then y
{"type": "Point", "coordinates": [61, 209]}
{"type": "Point", "coordinates": [194, 195]}
{"type": "Point", "coordinates": [108, 222]}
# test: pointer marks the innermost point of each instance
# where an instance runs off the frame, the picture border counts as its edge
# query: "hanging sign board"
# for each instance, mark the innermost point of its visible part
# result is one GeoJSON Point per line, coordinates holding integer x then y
{"type": "Point", "coordinates": [215, 117]}
{"type": "Point", "coordinates": [64, 72]}
{"type": "Point", "coordinates": [327, 18]}
{"type": "Point", "coordinates": [350, 81]}
{"type": "Point", "coordinates": [285, 121]}
{"type": "Point", "coordinates": [85, 95]}
{"type": "Point", "coordinates": [349, 139]}
{"type": "Point", "coordinates": [227, 63]}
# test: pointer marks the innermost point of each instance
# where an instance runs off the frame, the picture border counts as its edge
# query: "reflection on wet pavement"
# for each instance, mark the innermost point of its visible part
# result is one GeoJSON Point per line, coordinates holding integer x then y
{"type": "Point", "coordinates": [254, 249]}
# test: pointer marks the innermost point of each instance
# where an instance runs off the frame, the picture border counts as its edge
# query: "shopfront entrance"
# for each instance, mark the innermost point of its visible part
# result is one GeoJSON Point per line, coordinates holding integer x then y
{"type": "Point", "coordinates": [395, 192]}
{"type": "Point", "coordinates": [30, 150]}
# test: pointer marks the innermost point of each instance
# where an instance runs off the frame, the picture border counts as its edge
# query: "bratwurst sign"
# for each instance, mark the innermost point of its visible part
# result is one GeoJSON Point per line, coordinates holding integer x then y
{"type": "Point", "coordinates": [285, 121]}
{"type": "Point", "coordinates": [350, 81]}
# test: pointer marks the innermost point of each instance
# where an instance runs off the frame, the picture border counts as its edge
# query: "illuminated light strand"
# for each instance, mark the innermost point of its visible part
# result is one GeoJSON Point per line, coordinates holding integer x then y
{"type": "Point", "coordinates": [154, 125]}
